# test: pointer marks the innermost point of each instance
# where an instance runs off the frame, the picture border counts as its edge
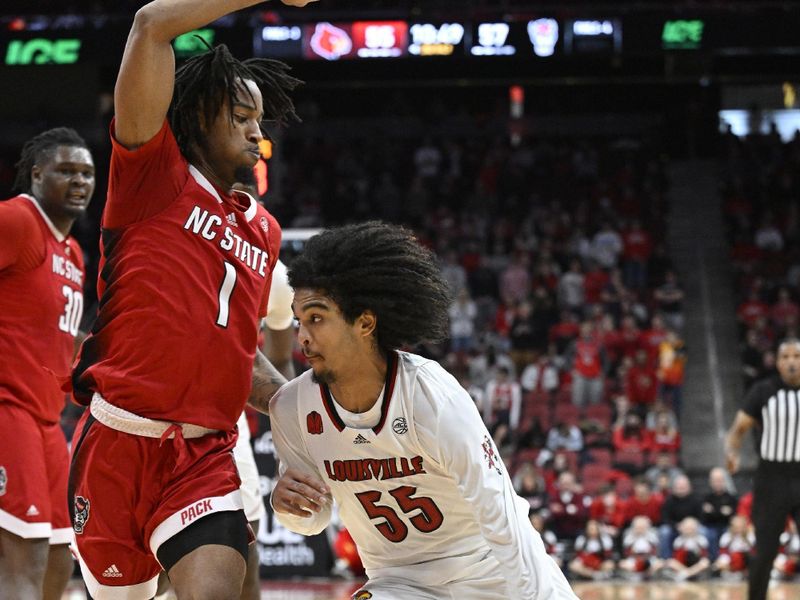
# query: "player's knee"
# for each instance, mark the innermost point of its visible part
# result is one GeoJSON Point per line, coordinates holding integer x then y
{"type": "Point", "coordinates": [24, 560]}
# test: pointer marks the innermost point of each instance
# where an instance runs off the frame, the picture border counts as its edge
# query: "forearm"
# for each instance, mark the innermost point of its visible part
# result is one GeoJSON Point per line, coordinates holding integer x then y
{"type": "Point", "coordinates": [266, 381]}
{"type": "Point", "coordinates": [167, 19]}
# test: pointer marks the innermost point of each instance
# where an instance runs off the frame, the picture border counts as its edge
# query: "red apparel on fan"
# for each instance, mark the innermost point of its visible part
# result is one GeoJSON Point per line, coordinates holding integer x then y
{"type": "Point", "coordinates": [608, 513]}
{"type": "Point", "coordinates": [650, 508]}
{"type": "Point", "coordinates": [641, 385]}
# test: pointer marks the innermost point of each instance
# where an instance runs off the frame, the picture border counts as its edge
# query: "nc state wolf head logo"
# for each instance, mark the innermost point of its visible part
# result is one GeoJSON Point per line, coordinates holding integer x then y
{"type": "Point", "coordinates": [329, 42]}
{"type": "Point", "coordinates": [3, 480]}
{"type": "Point", "coordinates": [314, 423]}
{"type": "Point", "coordinates": [81, 512]}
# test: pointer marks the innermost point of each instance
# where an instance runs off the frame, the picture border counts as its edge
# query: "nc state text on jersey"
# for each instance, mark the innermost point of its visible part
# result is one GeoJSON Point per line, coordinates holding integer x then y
{"type": "Point", "coordinates": [209, 227]}
{"type": "Point", "coordinates": [64, 267]}
{"type": "Point", "coordinates": [364, 469]}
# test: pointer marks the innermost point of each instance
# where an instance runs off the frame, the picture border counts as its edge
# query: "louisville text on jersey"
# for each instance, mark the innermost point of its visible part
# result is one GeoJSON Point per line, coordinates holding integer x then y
{"type": "Point", "coordinates": [209, 226]}
{"type": "Point", "coordinates": [364, 469]}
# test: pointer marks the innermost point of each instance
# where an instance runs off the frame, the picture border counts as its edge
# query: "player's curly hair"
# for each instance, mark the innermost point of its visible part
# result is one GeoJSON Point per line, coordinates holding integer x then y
{"type": "Point", "coordinates": [40, 148]}
{"type": "Point", "coordinates": [204, 82]}
{"type": "Point", "coordinates": [383, 268]}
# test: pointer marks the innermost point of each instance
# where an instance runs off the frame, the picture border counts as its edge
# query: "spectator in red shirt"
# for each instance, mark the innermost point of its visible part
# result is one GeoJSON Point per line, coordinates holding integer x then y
{"type": "Point", "coordinates": [664, 437]}
{"type": "Point", "coordinates": [643, 502]}
{"type": "Point", "coordinates": [631, 436]}
{"type": "Point", "coordinates": [749, 311]}
{"type": "Point", "coordinates": [594, 281]}
{"type": "Point", "coordinates": [587, 358]}
{"type": "Point", "coordinates": [608, 509]}
{"type": "Point", "coordinates": [785, 311]}
{"type": "Point", "coordinates": [641, 384]}
{"type": "Point", "coordinates": [637, 246]}
{"type": "Point", "coordinates": [651, 339]}
{"type": "Point", "coordinates": [630, 337]}
{"type": "Point", "coordinates": [562, 333]}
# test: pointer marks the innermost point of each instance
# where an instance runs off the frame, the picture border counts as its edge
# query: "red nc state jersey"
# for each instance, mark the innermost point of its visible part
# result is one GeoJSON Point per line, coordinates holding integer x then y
{"type": "Point", "coordinates": [41, 304]}
{"type": "Point", "coordinates": [184, 280]}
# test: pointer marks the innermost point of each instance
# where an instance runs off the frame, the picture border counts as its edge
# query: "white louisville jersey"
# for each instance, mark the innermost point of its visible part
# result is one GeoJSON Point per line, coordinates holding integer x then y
{"type": "Point", "coordinates": [418, 481]}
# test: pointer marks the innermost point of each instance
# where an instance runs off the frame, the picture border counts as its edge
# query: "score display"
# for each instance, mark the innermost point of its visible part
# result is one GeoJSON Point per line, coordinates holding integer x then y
{"type": "Point", "coordinates": [492, 39]}
{"type": "Point", "coordinates": [362, 39]}
{"type": "Point", "coordinates": [428, 39]}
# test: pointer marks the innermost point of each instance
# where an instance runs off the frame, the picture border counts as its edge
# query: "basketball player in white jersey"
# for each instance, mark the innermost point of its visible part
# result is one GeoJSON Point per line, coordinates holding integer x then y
{"type": "Point", "coordinates": [392, 437]}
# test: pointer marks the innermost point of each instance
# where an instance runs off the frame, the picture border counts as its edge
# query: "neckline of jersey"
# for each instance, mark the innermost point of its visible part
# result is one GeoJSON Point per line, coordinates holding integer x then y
{"type": "Point", "coordinates": [60, 237]}
{"type": "Point", "coordinates": [248, 208]}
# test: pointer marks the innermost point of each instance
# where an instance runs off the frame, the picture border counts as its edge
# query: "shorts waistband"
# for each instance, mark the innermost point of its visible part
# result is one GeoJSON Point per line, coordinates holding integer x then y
{"type": "Point", "coordinates": [127, 422]}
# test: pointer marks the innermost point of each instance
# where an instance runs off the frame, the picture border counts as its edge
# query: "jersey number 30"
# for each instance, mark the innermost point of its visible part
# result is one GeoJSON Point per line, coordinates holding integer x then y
{"type": "Point", "coordinates": [73, 310]}
{"type": "Point", "coordinates": [429, 519]}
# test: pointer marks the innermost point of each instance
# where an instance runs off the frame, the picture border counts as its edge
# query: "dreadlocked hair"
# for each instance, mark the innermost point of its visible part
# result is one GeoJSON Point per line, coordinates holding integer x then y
{"type": "Point", "coordinates": [41, 148]}
{"type": "Point", "coordinates": [379, 267]}
{"type": "Point", "coordinates": [204, 82]}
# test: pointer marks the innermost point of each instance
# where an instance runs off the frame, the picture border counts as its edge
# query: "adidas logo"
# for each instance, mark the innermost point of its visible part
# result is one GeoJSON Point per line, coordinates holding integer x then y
{"type": "Point", "coordinates": [112, 571]}
{"type": "Point", "coordinates": [32, 511]}
{"type": "Point", "coordinates": [232, 220]}
{"type": "Point", "coordinates": [360, 439]}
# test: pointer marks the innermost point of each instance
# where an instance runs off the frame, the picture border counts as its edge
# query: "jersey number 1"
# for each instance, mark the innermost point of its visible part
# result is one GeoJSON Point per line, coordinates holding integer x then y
{"type": "Point", "coordinates": [225, 291]}
{"type": "Point", "coordinates": [429, 519]}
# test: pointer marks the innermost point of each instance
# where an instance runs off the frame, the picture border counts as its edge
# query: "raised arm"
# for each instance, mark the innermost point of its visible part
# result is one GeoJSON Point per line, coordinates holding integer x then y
{"type": "Point", "coordinates": [147, 74]}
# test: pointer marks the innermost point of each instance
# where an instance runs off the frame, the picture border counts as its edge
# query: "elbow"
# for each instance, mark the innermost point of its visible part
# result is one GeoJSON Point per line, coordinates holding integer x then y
{"type": "Point", "coordinates": [153, 22]}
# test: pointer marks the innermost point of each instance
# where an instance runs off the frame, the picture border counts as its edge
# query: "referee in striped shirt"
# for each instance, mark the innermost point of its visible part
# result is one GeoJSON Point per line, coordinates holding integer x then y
{"type": "Point", "coordinates": [773, 405]}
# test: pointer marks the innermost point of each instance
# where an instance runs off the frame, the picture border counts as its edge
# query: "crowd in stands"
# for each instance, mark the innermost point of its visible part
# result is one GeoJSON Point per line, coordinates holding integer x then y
{"type": "Point", "coordinates": [761, 188]}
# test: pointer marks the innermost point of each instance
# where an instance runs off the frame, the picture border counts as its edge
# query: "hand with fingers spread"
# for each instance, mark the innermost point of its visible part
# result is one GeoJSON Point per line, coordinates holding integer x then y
{"type": "Point", "coordinates": [300, 494]}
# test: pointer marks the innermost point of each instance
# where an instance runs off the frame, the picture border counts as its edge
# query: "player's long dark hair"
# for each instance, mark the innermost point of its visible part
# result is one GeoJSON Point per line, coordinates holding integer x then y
{"type": "Point", "coordinates": [40, 148]}
{"type": "Point", "coordinates": [378, 267]}
{"type": "Point", "coordinates": [204, 82]}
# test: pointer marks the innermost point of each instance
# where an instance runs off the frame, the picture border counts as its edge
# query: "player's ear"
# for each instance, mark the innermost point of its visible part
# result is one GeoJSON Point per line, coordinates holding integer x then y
{"type": "Point", "coordinates": [36, 173]}
{"type": "Point", "coordinates": [367, 323]}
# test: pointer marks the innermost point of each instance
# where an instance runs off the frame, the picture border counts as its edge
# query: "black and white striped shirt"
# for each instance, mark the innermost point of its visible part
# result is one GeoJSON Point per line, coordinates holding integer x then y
{"type": "Point", "coordinates": [776, 406]}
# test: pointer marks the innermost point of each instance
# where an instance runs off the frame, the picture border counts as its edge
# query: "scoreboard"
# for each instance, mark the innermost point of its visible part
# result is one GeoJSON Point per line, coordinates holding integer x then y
{"type": "Point", "coordinates": [547, 36]}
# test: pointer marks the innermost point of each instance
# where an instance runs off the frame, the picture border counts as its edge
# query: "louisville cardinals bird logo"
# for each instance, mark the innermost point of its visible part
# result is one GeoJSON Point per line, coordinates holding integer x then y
{"type": "Point", "coordinates": [330, 42]}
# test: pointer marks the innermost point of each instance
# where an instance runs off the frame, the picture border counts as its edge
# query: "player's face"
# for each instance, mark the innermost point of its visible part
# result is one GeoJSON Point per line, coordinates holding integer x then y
{"type": "Point", "coordinates": [327, 340]}
{"type": "Point", "coordinates": [64, 182]}
{"type": "Point", "coordinates": [789, 362]}
{"type": "Point", "coordinates": [232, 145]}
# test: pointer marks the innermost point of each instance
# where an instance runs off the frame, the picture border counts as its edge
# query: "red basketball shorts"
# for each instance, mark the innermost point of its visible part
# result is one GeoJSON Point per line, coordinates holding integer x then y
{"type": "Point", "coordinates": [34, 463]}
{"type": "Point", "coordinates": [129, 494]}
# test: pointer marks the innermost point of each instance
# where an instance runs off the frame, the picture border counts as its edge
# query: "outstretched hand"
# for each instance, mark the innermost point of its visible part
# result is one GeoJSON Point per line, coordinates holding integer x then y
{"type": "Point", "coordinates": [732, 462]}
{"type": "Point", "coordinates": [300, 494]}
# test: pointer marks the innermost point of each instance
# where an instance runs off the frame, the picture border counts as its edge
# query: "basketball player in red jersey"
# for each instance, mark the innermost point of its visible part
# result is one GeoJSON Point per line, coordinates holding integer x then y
{"type": "Point", "coordinates": [169, 363]}
{"type": "Point", "coordinates": [41, 303]}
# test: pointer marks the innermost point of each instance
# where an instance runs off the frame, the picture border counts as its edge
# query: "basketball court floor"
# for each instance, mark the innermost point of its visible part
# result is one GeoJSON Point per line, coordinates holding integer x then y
{"type": "Point", "coordinates": [326, 589]}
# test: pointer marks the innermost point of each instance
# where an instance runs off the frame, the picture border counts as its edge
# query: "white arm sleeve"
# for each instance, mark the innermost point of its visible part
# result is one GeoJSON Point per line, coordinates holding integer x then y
{"type": "Point", "coordinates": [451, 432]}
{"type": "Point", "coordinates": [279, 308]}
{"type": "Point", "coordinates": [293, 455]}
